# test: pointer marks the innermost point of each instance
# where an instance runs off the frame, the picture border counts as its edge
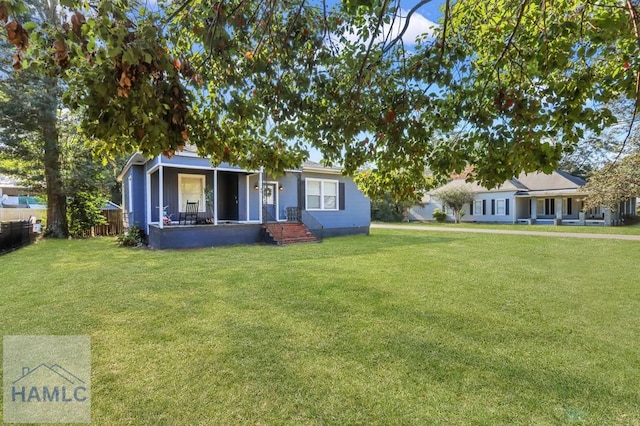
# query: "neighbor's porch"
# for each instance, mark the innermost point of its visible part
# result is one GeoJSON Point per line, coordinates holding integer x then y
{"type": "Point", "coordinates": [567, 210]}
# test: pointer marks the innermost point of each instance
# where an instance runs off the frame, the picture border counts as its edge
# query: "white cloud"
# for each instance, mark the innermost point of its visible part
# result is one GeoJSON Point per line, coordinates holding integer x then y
{"type": "Point", "coordinates": [418, 26]}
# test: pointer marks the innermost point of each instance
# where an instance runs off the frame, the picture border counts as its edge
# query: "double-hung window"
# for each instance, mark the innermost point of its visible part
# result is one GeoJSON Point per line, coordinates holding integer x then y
{"type": "Point", "coordinates": [500, 208]}
{"type": "Point", "coordinates": [477, 208]}
{"type": "Point", "coordinates": [546, 206]}
{"type": "Point", "coordinates": [321, 194]}
{"type": "Point", "coordinates": [191, 188]}
{"type": "Point", "coordinates": [567, 206]}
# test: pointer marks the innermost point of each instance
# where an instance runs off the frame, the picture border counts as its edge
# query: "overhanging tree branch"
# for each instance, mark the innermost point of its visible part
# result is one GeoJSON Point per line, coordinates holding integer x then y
{"type": "Point", "coordinates": [404, 29]}
{"type": "Point", "coordinates": [633, 14]}
{"type": "Point", "coordinates": [523, 7]}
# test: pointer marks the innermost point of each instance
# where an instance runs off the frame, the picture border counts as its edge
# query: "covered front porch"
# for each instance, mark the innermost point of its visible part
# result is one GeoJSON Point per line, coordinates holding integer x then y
{"type": "Point", "coordinates": [564, 209]}
{"type": "Point", "coordinates": [222, 196]}
{"type": "Point", "coordinates": [195, 205]}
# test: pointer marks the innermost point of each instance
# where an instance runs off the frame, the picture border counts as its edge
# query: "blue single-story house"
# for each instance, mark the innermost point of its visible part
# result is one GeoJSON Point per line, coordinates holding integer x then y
{"type": "Point", "coordinates": [185, 202]}
{"type": "Point", "coordinates": [543, 198]}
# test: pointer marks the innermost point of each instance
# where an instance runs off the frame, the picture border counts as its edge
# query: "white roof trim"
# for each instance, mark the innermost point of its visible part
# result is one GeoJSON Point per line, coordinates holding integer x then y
{"type": "Point", "coordinates": [211, 168]}
{"type": "Point", "coordinates": [137, 159]}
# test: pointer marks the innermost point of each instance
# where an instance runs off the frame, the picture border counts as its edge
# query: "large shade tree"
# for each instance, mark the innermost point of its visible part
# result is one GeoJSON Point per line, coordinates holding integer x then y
{"type": "Point", "coordinates": [29, 111]}
{"type": "Point", "coordinates": [609, 161]}
{"type": "Point", "coordinates": [594, 151]}
{"type": "Point", "coordinates": [504, 86]}
{"type": "Point", "coordinates": [614, 183]}
{"type": "Point", "coordinates": [25, 154]}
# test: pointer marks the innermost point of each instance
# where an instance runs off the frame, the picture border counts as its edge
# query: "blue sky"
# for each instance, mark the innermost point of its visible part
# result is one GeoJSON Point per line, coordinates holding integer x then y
{"type": "Point", "coordinates": [431, 10]}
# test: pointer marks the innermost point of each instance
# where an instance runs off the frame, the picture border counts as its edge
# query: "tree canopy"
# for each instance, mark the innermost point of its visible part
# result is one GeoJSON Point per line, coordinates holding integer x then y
{"type": "Point", "coordinates": [614, 183]}
{"type": "Point", "coordinates": [29, 111]}
{"type": "Point", "coordinates": [455, 198]}
{"type": "Point", "coordinates": [39, 142]}
{"type": "Point", "coordinates": [506, 86]}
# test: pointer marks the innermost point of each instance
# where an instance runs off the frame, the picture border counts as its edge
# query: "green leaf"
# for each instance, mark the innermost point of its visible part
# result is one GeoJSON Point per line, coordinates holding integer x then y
{"type": "Point", "coordinates": [30, 26]}
{"type": "Point", "coordinates": [114, 51]}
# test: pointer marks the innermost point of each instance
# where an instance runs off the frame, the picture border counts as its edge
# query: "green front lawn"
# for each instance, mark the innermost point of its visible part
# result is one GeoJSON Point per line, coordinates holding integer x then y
{"type": "Point", "coordinates": [395, 328]}
{"type": "Point", "coordinates": [633, 229]}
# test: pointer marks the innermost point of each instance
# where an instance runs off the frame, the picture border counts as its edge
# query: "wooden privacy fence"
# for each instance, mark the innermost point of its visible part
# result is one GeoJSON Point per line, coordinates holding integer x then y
{"type": "Point", "coordinates": [14, 235]}
{"type": "Point", "coordinates": [113, 227]}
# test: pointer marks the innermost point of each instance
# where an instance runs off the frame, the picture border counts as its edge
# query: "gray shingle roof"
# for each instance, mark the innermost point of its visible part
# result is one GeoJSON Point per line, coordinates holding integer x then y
{"type": "Point", "coordinates": [555, 182]}
{"type": "Point", "coordinates": [317, 166]}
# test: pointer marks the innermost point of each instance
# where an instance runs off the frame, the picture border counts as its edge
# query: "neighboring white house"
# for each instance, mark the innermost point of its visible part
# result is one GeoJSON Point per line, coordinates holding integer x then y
{"type": "Point", "coordinates": [8, 187]}
{"type": "Point", "coordinates": [14, 205]}
{"type": "Point", "coordinates": [555, 198]}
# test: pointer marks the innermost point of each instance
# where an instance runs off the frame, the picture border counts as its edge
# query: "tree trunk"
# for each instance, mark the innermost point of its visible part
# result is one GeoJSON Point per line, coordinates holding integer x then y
{"type": "Point", "coordinates": [57, 226]}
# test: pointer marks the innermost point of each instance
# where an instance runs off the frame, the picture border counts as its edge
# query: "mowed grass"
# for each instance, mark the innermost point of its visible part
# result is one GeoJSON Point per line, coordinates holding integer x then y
{"type": "Point", "coordinates": [398, 327]}
{"type": "Point", "coordinates": [630, 229]}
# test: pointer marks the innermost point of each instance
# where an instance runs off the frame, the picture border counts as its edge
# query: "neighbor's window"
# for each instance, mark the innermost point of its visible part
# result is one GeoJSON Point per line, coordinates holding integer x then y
{"type": "Point", "coordinates": [477, 207]}
{"type": "Point", "coordinates": [546, 206]}
{"type": "Point", "coordinates": [500, 209]}
{"type": "Point", "coordinates": [567, 206]}
{"type": "Point", "coordinates": [322, 194]}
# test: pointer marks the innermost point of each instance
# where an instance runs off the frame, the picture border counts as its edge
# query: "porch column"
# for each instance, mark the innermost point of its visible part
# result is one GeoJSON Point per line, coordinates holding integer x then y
{"type": "Point", "coordinates": [533, 202]}
{"type": "Point", "coordinates": [248, 194]}
{"type": "Point", "coordinates": [147, 193]}
{"type": "Point", "coordinates": [559, 207]}
{"type": "Point", "coordinates": [160, 197]}
{"type": "Point", "coordinates": [260, 195]}
{"type": "Point", "coordinates": [215, 196]}
{"type": "Point", "coordinates": [558, 210]}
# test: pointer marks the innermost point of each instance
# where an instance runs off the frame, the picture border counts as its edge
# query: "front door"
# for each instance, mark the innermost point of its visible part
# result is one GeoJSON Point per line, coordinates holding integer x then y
{"type": "Point", "coordinates": [228, 207]}
{"type": "Point", "coordinates": [271, 201]}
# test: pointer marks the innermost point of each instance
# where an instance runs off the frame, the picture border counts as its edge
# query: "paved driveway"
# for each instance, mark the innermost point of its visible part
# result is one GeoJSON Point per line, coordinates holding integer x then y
{"type": "Point", "coordinates": [506, 231]}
